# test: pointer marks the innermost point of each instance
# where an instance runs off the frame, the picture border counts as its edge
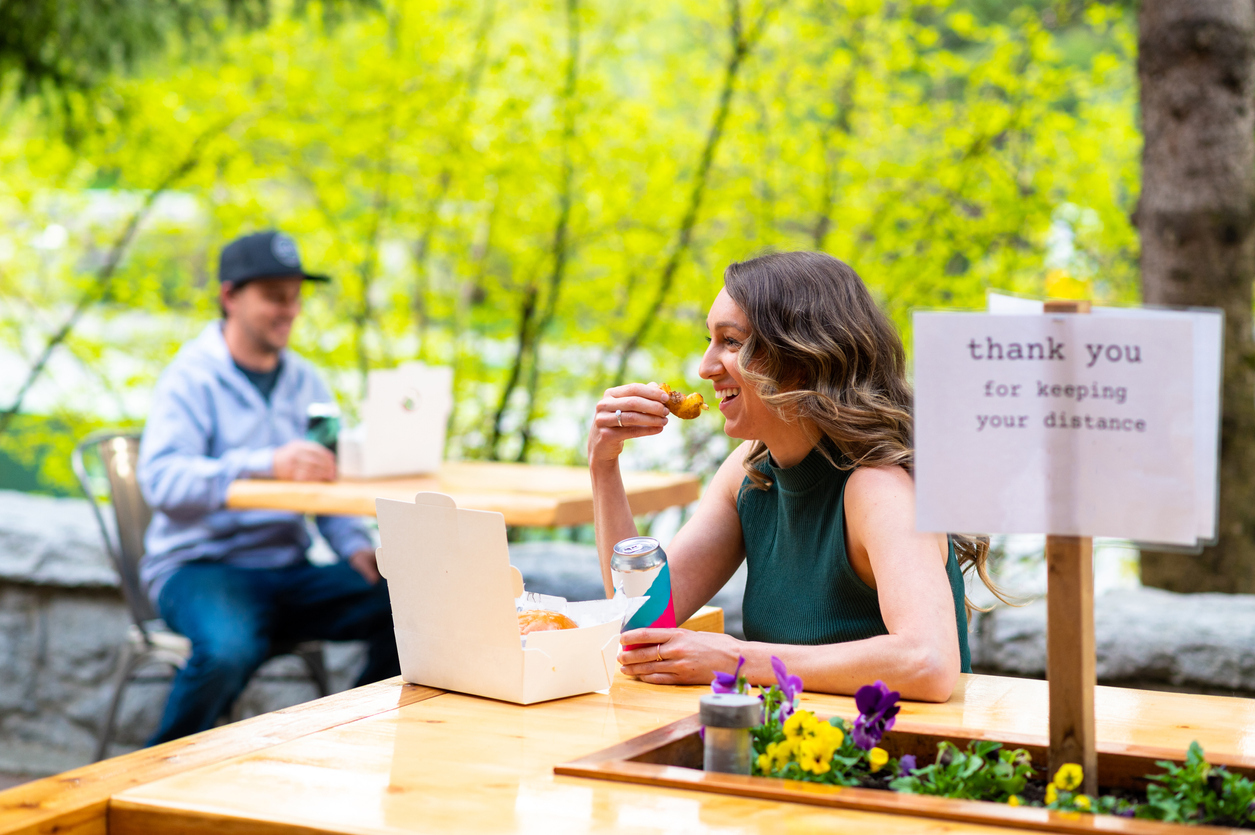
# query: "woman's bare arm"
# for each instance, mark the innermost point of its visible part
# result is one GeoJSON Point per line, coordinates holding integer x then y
{"type": "Point", "coordinates": [708, 549]}
{"type": "Point", "coordinates": [641, 412]}
{"type": "Point", "coordinates": [919, 656]}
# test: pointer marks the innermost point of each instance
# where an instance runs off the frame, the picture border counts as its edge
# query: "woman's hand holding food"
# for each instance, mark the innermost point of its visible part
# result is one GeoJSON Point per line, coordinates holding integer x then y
{"type": "Point", "coordinates": [678, 656]}
{"type": "Point", "coordinates": [630, 411]}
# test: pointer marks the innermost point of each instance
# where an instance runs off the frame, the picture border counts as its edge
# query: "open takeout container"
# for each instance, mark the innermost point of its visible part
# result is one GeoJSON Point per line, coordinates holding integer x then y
{"type": "Point", "coordinates": [403, 424]}
{"type": "Point", "coordinates": [455, 599]}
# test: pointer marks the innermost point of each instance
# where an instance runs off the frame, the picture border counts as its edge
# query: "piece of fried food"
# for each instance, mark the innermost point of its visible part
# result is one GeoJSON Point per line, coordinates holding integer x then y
{"type": "Point", "coordinates": [684, 407]}
{"type": "Point", "coordinates": [542, 620]}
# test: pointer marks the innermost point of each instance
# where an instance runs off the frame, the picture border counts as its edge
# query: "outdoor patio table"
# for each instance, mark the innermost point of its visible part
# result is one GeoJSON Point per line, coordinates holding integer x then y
{"type": "Point", "coordinates": [394, 758]}
{"type": "Point", "coordinates": [532, 495]}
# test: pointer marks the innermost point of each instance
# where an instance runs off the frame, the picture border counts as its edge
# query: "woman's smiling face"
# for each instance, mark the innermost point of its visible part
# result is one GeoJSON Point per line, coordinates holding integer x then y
{"type": "Point", "coordinates": [746, 415]}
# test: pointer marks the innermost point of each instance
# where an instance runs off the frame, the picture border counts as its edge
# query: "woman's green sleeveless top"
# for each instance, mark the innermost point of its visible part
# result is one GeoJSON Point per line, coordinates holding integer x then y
{"type": "Point", "coordinates": [801, 588]}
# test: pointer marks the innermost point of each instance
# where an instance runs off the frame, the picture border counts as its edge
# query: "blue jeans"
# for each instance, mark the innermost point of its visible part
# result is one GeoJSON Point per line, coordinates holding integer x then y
{"type": "Point", "coordinates": [231, 615]}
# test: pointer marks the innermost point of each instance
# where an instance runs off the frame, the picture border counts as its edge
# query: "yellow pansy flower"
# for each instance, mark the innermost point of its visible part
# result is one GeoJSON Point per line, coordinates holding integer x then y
{"type": "Point", "coordinates": [792, 726]}
{"type": "Point", "coordinates": [1052, 794]}
{"type": "Point", "coordinates": [1013, 800]}
{"type": "Point", "coordinates": [811, 759]}
{"type": "Point", "coordinates": [780, 752]}
{"type": "Point", "coordinates": [802, 724]}
{"type": "Point", "coordinates": [1082, 802]}
{"type": "Point", "coordinates": [814, 756]}
{"type": "Point", "coordinates": [809, 742]}
{"type": "Point", "coordinates": [877, 757]}
{"type": "Point", "coordinates": [764, 763]}
{"type": "Point", "coordinates": [1069, 776]}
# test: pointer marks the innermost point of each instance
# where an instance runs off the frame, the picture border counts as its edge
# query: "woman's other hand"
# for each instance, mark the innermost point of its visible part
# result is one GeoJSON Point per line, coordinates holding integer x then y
{"type": "Point", "coordinates": [687, 657]}
{"type": "Point", "coordinates": [630, 411]}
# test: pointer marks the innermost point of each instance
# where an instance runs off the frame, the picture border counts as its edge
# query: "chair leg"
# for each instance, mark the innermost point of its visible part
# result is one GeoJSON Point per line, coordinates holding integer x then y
{"type": "Point", "coordinates": [236, 711]}
{"type": "Point", "coordinates": [316, 664]}
{"type": "Point", "coordinates": [130, 662]}
{"type": "Point", "coordinates": [311, 655]}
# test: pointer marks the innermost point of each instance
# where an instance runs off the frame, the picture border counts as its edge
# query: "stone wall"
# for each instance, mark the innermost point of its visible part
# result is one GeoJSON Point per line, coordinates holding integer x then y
{"type": "Point", "coordinates": [1143, 637]}
{"type": "Point", "coordinates": [62, 625]}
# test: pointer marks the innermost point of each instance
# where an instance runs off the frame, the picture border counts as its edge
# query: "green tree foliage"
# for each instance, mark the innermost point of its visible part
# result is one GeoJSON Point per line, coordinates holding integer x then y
{"type": "Point", "coordinates": [53, 47]}
{"type": "Point", "coordinates": [548, 193]}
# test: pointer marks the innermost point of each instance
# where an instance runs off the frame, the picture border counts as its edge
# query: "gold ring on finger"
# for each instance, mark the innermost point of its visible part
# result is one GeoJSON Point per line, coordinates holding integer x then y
{"type": "Point", "coordinates": [659, 648]}
{"type": "Point", "coordinates": [618, 415]}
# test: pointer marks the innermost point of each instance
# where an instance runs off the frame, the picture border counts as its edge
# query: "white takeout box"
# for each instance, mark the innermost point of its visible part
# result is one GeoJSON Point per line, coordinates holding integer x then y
{"type": "Point", "coordinates": [453, 596]}
{"type": "Point", "coordinates": [403, 424]}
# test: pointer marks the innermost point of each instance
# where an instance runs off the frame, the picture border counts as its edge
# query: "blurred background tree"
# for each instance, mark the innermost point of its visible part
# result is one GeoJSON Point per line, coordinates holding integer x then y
{"type": "Point", "coordinates": [543, 196]}
{"type": "Point", "coordinates": [50, 48]}
{"type": "Point", "coordinates": [1197, 218]}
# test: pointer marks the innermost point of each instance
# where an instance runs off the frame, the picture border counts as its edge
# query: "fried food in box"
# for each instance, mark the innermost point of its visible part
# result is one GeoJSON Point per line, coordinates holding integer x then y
{"type": "Point", "coordinates": [682, 406]}
{"type": "Point", "coordinates": [542, 620]}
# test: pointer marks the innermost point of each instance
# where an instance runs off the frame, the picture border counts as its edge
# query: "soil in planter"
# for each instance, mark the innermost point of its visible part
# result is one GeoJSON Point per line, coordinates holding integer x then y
{"type": "Point", "coordinates": [877, 781]}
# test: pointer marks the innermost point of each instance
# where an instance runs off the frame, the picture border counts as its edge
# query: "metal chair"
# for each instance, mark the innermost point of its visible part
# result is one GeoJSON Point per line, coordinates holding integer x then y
{"type": "Point", "coordinates": [148, 639]}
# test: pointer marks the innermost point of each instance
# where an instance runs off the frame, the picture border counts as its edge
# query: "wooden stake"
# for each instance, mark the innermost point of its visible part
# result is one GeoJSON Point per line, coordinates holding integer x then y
{"type": "Point", "coordinates": [1070, 639]}
{"type": "Point", "coordinates": [1070, 654]}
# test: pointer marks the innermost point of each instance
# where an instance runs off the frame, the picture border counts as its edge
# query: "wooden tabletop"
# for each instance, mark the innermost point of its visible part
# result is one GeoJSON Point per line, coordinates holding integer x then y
{"type": "Point", "coordinates": [526, 494]}
{"type": "Point", "coordinates": [76, 802]}
{"type": "Point", "coordinates": [459, 763]}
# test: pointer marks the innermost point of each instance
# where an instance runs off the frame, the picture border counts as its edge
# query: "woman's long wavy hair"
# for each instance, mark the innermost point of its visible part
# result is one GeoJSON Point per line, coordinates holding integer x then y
{"type": "Point", "coordinates": [820, 353]}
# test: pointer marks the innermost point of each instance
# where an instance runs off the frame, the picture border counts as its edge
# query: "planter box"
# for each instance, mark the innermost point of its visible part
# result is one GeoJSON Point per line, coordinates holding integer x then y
{"type": "Point", "coordinates": [671, 756]}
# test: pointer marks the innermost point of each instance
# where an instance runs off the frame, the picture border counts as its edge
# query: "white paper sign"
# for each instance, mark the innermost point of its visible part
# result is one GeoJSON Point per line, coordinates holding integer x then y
{"type": "Point", "coordinates": [1059, 424]}
{"type": "Point", "coordinates": [1208, 354]}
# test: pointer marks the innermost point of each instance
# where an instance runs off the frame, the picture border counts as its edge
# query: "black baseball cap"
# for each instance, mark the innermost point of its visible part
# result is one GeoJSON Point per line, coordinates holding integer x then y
{"type": "Point", "coordinates": [268, 254]}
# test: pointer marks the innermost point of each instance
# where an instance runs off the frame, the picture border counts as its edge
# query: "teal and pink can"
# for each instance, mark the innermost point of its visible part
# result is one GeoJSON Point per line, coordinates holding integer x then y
{"type": "Point", "coordinates": [639, 568]}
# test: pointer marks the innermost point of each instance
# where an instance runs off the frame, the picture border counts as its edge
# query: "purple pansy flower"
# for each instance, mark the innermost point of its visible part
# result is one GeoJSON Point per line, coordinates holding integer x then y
{"type": "Point", "coordinates": [877, 707]}
{"type": "Point", "coordinates": [906, 765]}
{"type": "Point", "coordinates": [790, 687]}
{"type": "Point", "coordinates": [729, 682]}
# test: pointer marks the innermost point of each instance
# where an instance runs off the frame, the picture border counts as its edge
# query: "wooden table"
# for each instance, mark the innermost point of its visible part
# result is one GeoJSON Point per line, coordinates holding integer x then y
{"type": "Point", "coordinates": [527, 494]}
{"type": "Point", "coordinates": [439, 762]}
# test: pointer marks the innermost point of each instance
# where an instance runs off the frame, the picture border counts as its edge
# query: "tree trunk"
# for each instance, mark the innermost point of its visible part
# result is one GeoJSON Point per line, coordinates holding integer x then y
{"type": "Point", "coordinates": [1196, 218]}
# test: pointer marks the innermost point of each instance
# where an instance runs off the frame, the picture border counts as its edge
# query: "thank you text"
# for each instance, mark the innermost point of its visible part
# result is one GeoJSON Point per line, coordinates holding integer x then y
{"type": "Point", "coordinates": [1060, 424]}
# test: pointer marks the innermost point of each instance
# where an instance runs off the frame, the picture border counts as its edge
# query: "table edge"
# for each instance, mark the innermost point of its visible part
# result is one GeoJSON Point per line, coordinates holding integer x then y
{"type": "Point", "coordinates": [78, 800]}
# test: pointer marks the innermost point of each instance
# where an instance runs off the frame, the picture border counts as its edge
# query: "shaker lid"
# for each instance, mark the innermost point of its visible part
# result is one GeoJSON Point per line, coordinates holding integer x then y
{"type": "Point", "coordinates": [731, 710]}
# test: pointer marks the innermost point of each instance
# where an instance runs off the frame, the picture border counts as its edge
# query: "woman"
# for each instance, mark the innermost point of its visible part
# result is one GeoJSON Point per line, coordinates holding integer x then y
{"type": "Point", "coordinates": [819, 501]}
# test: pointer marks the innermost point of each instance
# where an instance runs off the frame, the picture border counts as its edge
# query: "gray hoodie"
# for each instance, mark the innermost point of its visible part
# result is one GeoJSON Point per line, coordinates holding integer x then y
{"type": "Point", "coordinates": [209, 426]}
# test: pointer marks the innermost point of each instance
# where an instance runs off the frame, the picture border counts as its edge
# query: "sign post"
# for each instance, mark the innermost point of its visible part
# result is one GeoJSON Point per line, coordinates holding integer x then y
{"type": "Point", "coordinates": [1072, 426]}
{"type": "Point", "coordinates": [1070, 661]}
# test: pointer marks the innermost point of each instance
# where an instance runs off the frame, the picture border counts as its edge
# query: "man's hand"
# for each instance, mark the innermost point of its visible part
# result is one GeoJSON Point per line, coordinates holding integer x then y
{"type": "Point", "coordinates": [304, 461]}
{"type": "Point", "coordinates": [366, 564]}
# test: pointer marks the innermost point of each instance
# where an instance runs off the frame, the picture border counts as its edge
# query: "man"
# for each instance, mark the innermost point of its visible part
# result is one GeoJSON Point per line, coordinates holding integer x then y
{"type": "Point", "coordinates": [233, 405]}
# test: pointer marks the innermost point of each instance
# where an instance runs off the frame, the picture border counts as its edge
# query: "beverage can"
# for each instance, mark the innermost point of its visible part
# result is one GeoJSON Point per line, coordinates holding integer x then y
{"type": "Point", "coordinates": [322, 424]}
{"type": "Point", "coordinates": [638, 568]}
